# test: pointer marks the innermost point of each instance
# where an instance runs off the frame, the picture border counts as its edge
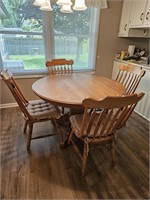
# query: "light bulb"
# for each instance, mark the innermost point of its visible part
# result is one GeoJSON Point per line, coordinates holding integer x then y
{"type": "Point", "coordinates": [39, 2]}
{"type": "Point", "coordinates": [66, 9]}
{"type": "Point", "coordinates": [64, 2]}
{"type": "Point", "coordinates": [79, 5]}
{"type": "Point", "coordinates": [47, 6]}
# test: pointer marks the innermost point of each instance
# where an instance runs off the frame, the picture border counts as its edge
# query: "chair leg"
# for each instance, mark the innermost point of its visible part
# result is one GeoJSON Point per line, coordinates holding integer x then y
{"type": "Point", "coordinates": [70, 136]}
{"type": "Point", "coordinates": [25, 126]}
{"type": "Point", "coordinates": [63, 110]}
{"type": "Point", "coordinates": [29, 136]}
{"type": "Point", "coordinates": [85, 157]}
{"type": "Point", "coordinates": [112, 151]}
{"type": "Point", "coordinates": [52, 121]}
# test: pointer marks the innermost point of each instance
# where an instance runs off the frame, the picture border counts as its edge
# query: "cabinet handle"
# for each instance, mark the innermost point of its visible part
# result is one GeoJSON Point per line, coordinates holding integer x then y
{"type": "Point", "coordinates": [141, 16]}
{"type": "Point", "coordinates": [125, 27]}
{"type": "Point", "coordinates": [147, 16]}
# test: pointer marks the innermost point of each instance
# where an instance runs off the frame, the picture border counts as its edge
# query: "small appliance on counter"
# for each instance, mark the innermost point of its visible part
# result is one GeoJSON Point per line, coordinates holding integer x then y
{"type": "Point", "coordinates": [134, 55]}
{"type": "Point", "coordinates": [131, 50]}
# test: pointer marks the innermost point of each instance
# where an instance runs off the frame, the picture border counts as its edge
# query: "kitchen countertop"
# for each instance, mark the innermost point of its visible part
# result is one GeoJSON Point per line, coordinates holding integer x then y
{"type": "Point", "coordinates": [135, 63]}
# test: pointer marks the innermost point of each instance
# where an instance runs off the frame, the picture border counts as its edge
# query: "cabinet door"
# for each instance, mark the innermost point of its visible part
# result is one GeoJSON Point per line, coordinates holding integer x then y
{"type": "Point", "coordinates": [147, 15]}
{"type": "Point", "coordinates": [137, 12]}
{"type": "Point", "coordinates": [124, 23]}
{"type": "Point", "coordinates": [115, 69]}
{"type": "Point", "coordinates": [143, 107]}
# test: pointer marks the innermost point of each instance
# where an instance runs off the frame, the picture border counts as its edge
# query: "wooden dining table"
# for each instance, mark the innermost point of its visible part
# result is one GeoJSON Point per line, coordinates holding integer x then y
{"type": "Point", "coordinates": [69, 90]}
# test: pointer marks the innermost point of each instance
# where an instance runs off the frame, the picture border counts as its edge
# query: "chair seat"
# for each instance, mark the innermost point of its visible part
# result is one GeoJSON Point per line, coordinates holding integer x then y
{"type": "Point", "coordinates": [76, 123]}
{"type": "Point", "coordinates": [41, 109]}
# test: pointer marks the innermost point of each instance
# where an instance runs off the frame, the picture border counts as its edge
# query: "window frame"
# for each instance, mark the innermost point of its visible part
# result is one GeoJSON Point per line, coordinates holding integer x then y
{"type": "Point", "coordinates": [48, 39]}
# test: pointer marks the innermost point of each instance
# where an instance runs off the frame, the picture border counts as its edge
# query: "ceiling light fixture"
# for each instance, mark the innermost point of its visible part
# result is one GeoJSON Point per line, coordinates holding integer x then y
{"type": "Point", "coordinates": [39, 2]}
{"type": "Point", "coordinates": [66, 9]}
{"type": "Point", "coordinates": [79, 5]}
{"type": "Point", "coordinates": [64, 2]}
{"type": "Point", "coordinates": [45, 5]}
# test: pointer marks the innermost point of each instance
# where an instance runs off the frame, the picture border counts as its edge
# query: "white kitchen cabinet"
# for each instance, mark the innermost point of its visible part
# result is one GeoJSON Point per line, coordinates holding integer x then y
{"type": "Point", "coordinates": [125, 17]}
{"type": "Point", "coordinates": [135, 19]}
{"type": "Point", "coordinates": [115, 69]}
{"type": "Point", "coordinates": [138, 12]}
{"type": "Point", "coordinates": [147, 15]}
{"type": "Point", "coordinates": [143, 107]}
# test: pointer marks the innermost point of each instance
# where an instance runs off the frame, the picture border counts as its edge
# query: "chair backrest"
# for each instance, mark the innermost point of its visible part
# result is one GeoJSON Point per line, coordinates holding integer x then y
{"type": "Point", "coordinates": [112, 115]}
{"type": "Point", "coordinates": [60, 66]}
{"type": "Point", "coordinates": [130, 77]}
{"type": "Point", "coordinates": [7, 76]}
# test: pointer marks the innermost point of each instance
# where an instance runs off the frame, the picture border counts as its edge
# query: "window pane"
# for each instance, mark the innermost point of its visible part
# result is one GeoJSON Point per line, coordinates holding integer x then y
{"type": "Point", "coordinates": [23, 15]}
{"type": "Point", "coordinates": [22, 53]}
{"type": "Point", "coordinates": [22, 46]}
{"type": "Point", "coordinates": [73, 36]}
{"type": "Point", "coordinates": [75, 48]}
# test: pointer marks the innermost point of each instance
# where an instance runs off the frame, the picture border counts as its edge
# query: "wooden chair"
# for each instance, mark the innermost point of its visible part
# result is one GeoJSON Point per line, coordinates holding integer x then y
{"type": "Point", "coordinates": [101, 127]}
{"type": "Point", "coordinates": [60, 66]}
{"type": "Point", "coordinates": [130, 77]}
{"type": "Point", "coordinates": [33, 112]}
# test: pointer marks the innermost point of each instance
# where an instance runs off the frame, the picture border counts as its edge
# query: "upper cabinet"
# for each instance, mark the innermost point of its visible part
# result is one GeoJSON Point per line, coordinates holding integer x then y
{"type": "Point", "coordinates": [138, 13]}
{"type": "Point", "coordinates": [146, 22]}
{"type": "Point", "coordinates": [135, 18]}
{"type": "Point", "coordinates": [125, 17]}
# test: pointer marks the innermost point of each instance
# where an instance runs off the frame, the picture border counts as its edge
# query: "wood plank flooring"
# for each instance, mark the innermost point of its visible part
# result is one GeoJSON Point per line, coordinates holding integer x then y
{"type": "Point", "coordinates": [52, 173]}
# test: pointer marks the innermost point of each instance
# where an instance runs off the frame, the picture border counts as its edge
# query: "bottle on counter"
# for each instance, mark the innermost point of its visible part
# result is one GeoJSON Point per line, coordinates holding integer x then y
{"type": "Point", "coordinates": [123, 54]}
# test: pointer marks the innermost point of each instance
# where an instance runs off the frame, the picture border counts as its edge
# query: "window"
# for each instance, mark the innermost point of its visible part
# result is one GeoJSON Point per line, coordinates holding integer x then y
{"type": "Point", "coordinates": [21, 38]}
{"type": "Point", "coordinates": [29, 37]}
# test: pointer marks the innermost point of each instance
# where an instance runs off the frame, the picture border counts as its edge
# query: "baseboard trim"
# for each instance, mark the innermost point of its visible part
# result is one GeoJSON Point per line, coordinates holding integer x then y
{"type": "Point", "coordinates": [8, 105]}
{"type": "Point", "coordinates": [142, 115]}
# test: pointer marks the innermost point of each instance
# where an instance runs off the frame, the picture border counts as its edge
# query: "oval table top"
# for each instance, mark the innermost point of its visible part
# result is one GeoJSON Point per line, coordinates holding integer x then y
{"type": "Point", "coordinates": [69, 90]}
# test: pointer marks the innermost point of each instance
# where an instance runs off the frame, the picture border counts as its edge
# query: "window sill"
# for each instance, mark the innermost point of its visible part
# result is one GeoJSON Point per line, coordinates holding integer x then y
{"type": "Point", "coordinates": [31, 76]}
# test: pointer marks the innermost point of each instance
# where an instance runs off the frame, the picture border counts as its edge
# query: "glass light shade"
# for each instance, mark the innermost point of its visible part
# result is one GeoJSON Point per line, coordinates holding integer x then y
{"type": "Point", "coordinates": [64, 2]}
{"type": "Point", "coordinates": [66, 9]}
{"type": "Point", "coordinates": [39, 2]}
{"type": "Point", "coordinates": [47, 6]}
{"type": "Point", "coordinates": [79, 5]}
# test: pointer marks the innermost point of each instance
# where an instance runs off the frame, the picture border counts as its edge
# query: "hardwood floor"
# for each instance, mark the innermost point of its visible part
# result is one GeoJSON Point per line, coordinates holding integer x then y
{"type": "Point", "coordinates": [54, 173]}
